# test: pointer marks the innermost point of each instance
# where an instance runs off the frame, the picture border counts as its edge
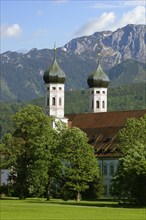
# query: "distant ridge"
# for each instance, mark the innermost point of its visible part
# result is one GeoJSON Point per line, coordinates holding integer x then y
{"type": "Point", "coordinates": [122, 57]}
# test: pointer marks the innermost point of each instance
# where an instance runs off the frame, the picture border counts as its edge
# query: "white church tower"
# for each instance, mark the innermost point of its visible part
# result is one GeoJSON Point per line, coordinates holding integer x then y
{"type": "Point", "coordinates": [98, 82]}
{"type": "Point", "coordinates": [54, 79]}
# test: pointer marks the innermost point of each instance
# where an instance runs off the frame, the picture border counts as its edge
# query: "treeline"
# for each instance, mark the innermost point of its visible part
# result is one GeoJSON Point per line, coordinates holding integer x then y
{"type": "Point", "coordinates": [131, 97]}
{"type": "Point", "coordinates": [123, 98]}
{"type": "Point", "coordinates": [127, 97]}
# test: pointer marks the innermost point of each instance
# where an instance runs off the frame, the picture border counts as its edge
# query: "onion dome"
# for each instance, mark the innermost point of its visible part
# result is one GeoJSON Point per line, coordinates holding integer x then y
{"type": "Point", "coordinates": [98, 78]}
{"type": "Point", "coordinates": [54, 74]}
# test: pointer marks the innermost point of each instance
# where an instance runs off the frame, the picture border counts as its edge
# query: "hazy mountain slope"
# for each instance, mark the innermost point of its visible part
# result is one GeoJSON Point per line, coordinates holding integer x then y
{"type": "Point", "coordinates": [22, 74]}
{"type": "Point", "coordinates": [127, 72]}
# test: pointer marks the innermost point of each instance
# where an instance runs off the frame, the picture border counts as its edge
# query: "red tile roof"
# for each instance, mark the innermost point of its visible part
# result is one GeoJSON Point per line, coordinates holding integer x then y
{"type": "Point", "coordinates": [102, 129]}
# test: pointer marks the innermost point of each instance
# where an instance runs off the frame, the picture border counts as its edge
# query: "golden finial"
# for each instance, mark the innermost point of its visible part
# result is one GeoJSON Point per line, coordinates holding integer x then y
{"type": "Point", "coordinates": [98, 57]}
{"type": "Point", "coordinates": [55, 46]}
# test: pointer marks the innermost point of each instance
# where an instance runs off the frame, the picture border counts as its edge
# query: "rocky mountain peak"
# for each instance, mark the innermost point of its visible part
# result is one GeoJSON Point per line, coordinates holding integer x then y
{"type": "Point", "coordinates": [21, 73]}
{"type": "Point", "coordinates": [125, 43]}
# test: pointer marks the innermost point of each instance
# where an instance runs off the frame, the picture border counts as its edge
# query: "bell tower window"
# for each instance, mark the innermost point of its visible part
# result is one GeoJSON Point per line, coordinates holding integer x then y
{"type": "Point", "coordinates": [60, 101]}
{"type": "Point", "coordinates": [53, 101]}
{"type": "Point", "coordinates": [97, 104]}
{"type": "Point", "coordinates": [103, 104]}
{"type": "Point", "coordinates": [48, 101]}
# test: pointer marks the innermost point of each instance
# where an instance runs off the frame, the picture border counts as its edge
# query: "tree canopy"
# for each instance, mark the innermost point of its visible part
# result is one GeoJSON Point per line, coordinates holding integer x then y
{"type": "Point", "coordinates": [28, 150]}
{"type": "Point", "coordinates": [130, 180]}
{"type": "Point", "coordinates": [80, 164]}
{"type": "Point", "coordinates": [42, 159]}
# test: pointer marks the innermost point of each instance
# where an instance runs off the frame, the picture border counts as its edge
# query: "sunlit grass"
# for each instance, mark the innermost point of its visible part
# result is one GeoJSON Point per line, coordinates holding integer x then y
{"type": "Point", "coordinates": [40, 209]}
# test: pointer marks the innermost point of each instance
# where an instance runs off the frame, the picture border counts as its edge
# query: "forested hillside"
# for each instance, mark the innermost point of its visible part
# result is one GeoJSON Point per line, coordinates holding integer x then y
{"type": "Point", "coordinates": [119, 99]}
{"type": "Point", "coordinates": [122, 57]}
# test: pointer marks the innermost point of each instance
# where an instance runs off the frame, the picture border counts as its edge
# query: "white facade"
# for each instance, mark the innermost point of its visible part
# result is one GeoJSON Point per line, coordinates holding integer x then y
{"type": "Point", "coordinates": [54, 99]}
{"type": "Point", "coordinates": [54, 102]}
{"type": "Point", "coordinates": [98, 100]}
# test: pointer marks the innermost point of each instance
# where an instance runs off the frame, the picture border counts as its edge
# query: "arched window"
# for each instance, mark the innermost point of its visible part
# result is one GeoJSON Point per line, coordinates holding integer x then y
{"type": "Point", "coordinates": [60, 101]}
{"type": "Point", "coordinates": [97, 104]}
{"type": "Point", "coordinates": [103, 104]}
{"type": "Point", "coordinates": [53, 101]}
{"type": "Point", "coordinates": [47, 101]}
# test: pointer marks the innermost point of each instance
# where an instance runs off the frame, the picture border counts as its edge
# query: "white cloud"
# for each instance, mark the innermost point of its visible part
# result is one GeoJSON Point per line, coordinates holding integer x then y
{"type": "Point", "coordinates": [110, 21]}
{"type": "Point", "coordinates": [118, 4]}
{"type": "Point", "coordinates": [60, 1]}
{"type": "Point", "coordinates": [135, 16]}
{"type": "Point", "coordinates": [106, 5]}
{"type": "Point", "coordinates": [13, 30]}
{"type": "Point", "coordinates": [97, 24]}
{"type": "Point", "coordinates": [134, 3]}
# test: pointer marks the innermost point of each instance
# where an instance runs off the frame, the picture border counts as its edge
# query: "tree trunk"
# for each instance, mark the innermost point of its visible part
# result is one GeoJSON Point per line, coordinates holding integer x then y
{"type": "Point", "coordinates": [78, 196]}
{"type": "Point", "coordinates": [48, 189]}
{"type": "Point", "coordinates": [48, 192]}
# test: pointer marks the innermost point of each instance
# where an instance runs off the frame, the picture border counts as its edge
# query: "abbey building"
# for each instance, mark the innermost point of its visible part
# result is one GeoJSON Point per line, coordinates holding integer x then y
{"type": "Point", "coordinates": [100, 125]}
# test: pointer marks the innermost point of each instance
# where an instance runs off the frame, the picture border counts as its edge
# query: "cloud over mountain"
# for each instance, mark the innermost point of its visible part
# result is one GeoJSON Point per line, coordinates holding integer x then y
{"type": "Point", "coordinates": [95, 24]}
{"type": "Point", "coordinates": [110, 21]}
{"type": "Point", "coordinates": [135, 16]}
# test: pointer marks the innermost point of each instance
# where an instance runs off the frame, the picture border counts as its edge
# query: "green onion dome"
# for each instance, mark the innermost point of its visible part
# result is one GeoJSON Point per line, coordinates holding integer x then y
{"type": "Point", "coordinates": [98, 78]}
{"type": "Point", "coordinates": [54, 74]}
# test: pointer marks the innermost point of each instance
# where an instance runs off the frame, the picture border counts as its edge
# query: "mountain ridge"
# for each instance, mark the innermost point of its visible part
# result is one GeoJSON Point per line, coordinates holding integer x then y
{"type": "Point", "coordinates": [121, 50]}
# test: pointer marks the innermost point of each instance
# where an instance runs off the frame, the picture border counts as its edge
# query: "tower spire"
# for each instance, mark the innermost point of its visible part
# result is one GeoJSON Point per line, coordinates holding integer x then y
{"type": "Point", "coordinates": [98, 57]}
{"type": "Point", "coordinates": [98, 82]}
{"type": "Point", "coordinates": [54, 78]}
{"type": "Point", "coordinates": [55, 50]}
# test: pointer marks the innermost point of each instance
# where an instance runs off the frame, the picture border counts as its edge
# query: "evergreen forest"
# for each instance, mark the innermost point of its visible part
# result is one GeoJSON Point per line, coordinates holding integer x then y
{"type": "Point", "coordinates": [123, 98]}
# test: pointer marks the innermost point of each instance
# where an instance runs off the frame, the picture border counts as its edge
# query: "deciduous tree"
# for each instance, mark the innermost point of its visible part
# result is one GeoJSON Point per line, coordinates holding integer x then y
{"type": "Point", "coordinates": [28, 150]}
{"type": "Point", "coordinates": [80, 164]}
{"type": "Point", "coordinates": [130, 180]}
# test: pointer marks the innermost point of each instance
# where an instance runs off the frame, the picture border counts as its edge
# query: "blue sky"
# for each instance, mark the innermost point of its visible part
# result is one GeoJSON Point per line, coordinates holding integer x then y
{"type": "Point", "coordinates": [38, 24]}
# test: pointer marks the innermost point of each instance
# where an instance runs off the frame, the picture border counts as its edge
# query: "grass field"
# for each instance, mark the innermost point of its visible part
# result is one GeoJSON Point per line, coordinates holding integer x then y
{"type": "Point", "coordinates": [30, 209]}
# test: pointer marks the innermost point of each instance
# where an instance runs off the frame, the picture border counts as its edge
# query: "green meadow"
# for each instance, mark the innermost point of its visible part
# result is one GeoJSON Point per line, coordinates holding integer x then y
{"type": "Point", "coordinates": [39, 209]}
